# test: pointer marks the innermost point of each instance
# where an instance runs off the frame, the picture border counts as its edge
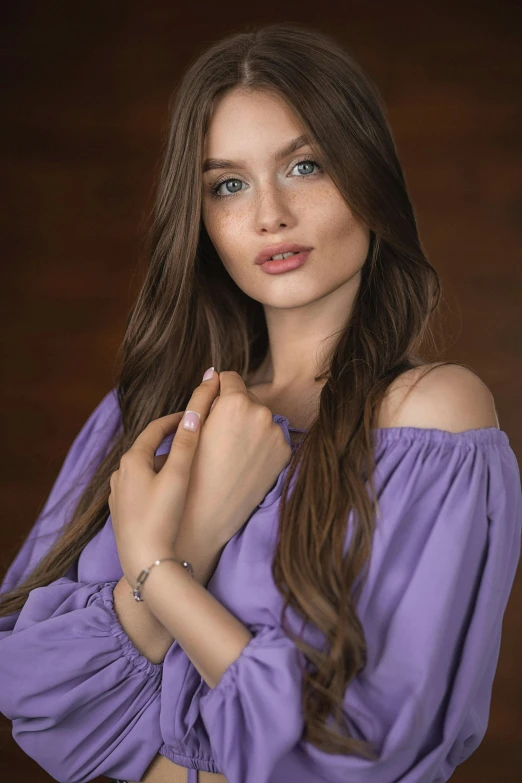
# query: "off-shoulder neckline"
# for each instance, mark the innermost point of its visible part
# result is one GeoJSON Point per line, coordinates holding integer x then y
{"type": "Point", "coordinates": [385, 434]}
{"type": "Point", "coordinates": [482, 435]}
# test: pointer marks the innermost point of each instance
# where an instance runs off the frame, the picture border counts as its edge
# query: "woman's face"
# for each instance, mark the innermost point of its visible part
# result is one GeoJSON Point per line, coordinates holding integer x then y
{"type": "Point", "coordinates": [268, 201]}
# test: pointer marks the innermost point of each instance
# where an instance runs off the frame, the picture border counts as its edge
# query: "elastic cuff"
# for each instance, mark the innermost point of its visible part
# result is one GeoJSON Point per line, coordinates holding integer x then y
{"type": "Point", "coordinates": [138, 660]}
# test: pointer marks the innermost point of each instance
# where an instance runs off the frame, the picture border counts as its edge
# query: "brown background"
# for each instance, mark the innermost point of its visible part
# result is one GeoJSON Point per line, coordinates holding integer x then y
{"type": "Point", "coordinates": [84, 106]}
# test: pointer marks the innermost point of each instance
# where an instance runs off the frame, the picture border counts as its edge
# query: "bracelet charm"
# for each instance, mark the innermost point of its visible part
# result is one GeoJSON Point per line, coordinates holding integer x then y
{"type": "Point", "coordinates": [146, 571]}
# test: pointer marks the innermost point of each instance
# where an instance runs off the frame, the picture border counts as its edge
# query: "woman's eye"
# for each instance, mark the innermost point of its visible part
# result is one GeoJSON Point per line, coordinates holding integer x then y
{"type": "Point", "coordinates": [218, 185]}
{"type": "Point", "coordinates": [215, 189]}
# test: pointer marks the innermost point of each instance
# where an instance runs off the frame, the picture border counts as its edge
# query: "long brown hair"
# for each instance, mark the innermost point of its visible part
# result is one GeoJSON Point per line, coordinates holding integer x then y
{"type": "Point", "coordinates": [190, 308]}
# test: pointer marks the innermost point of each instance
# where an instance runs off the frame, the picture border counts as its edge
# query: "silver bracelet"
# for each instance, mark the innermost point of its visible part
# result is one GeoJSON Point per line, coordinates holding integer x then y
{"type": "Point", "coordinates": [146, 571]}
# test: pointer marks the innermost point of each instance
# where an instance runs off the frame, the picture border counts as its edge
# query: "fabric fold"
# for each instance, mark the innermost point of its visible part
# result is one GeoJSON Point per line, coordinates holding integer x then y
{"type": "Point", "coordinates": [72, 681]}
{"type": "Point", "coordinates": [83, 700]}
{"type": "Point", "coordinates": [444, 557]}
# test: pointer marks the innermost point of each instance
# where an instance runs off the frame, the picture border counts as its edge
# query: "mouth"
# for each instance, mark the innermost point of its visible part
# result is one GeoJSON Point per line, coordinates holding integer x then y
{"type": "Point", "coordinates": [280, 251]}
{"type": "Point", "coordinates": [276, 266]}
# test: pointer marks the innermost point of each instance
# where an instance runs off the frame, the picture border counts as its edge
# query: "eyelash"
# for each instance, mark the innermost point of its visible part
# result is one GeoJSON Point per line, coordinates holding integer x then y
{"type": "Point", "coordinates": [214, 189]}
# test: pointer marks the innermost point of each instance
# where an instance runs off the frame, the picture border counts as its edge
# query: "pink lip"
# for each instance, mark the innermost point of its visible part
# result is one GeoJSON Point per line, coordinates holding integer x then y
{"type": "Point", "coordinates": [285, 264]}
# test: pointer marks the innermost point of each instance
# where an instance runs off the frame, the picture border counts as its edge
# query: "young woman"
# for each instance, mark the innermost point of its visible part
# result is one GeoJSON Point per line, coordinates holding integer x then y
{"type": "Point", "coordinates": [308, 583]}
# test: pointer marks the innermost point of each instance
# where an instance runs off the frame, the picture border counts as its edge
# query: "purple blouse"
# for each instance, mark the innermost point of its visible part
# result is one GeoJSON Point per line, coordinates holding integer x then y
{"type": "Point", "coordinates": [84, 702]}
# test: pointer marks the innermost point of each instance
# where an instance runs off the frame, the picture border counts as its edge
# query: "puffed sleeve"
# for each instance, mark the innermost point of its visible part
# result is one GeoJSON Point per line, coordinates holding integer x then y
{"type": "Point", "coordinates": [444, 556]}
{"type": "Point", "coordinates": [85, 453]}
{"type": "Point", "coordinates": [83, 701]}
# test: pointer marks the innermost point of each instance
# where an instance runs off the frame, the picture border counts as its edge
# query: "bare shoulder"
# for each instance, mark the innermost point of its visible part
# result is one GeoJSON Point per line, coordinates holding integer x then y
{"type": "Point", "coordinates": [440, 396]}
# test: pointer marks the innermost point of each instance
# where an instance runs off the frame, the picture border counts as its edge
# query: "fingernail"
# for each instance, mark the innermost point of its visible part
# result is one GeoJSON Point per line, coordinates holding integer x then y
{"type": "Point", "coordinates": [191, 420]}
{"type": "Point", "coordinates": [209, 374]}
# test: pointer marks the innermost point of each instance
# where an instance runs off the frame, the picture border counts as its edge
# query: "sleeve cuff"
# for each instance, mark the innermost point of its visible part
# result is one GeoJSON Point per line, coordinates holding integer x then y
{"type": "Point", "coordinates": [138, 660]}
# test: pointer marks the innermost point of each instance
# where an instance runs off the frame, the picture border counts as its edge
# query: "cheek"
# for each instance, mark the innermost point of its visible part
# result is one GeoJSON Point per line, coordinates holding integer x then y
{"type": "Point", "coordinates": [231, 240]}
{"type": "Point", "coordinates": [341, 227]}
{"type": "Point", "coordinates": [224, 230]}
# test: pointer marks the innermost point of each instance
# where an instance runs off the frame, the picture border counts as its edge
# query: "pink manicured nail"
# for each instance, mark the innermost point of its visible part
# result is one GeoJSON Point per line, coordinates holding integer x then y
{"type": "Point", "coordinates": [191, 420]}
{"type": "Point", "coordinates": [208, 374]}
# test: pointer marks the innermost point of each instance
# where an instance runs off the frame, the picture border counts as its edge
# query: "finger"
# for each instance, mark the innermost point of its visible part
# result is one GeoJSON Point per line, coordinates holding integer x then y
{"type": "Point", "coordinates": [187, 435]}
{"type": "Point", "coordinates": [230, 381]}
{"type": "Point", "coordinates": [148, 441]}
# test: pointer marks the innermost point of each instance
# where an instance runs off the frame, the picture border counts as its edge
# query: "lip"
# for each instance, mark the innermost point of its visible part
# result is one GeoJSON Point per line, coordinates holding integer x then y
{"type": "Point", "coordinates": [285, 264]}
{"type": "Point", "coordinates": [274, 250]}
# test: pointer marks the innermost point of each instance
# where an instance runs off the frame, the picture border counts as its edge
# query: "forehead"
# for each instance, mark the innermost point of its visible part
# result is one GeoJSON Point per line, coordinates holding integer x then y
{"type": "Point", "coordinates": [247, 124]}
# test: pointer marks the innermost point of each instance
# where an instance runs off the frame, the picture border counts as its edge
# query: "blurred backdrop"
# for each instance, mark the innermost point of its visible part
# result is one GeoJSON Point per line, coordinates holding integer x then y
{"type": "Point", "coordinates": [85, 91]}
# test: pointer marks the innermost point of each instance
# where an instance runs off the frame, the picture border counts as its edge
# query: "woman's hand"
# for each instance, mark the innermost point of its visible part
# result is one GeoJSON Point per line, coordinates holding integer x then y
{"type": "Point", "coordinates": [240, 454]}
{"type": "Point", "coordinates": [146, 506]}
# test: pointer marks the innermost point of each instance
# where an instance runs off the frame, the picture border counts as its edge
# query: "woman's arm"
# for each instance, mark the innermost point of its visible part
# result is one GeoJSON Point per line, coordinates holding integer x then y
{"type": "Point", "coordinates": [145, 631]}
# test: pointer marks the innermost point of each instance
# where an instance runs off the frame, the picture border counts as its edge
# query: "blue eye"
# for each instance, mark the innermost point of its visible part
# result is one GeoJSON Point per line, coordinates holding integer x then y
{"type": "Point", "coordinates": [214, 189]}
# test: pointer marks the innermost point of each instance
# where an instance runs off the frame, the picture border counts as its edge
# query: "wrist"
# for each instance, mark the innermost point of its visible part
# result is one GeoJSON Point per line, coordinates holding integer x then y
{"type": "Point", "coordinates": [146, 561]}
{"type": "Point", "coordinates": [201, 552]}
{"type": "Point", "coordinates": [143, 628]}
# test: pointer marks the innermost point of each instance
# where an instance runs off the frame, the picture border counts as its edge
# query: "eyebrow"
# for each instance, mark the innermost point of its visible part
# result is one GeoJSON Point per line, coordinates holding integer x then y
{"type": "Point", "coordinates": [283, 152]}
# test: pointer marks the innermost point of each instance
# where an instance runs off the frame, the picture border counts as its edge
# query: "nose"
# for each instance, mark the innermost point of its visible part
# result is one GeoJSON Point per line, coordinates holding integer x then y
{"type": "Point", "coordinates": [273, 210]}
